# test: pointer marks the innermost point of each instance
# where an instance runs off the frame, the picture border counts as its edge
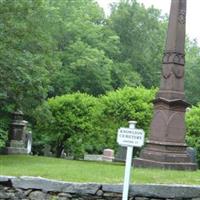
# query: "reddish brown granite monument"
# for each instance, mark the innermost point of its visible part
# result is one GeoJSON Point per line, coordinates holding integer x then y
{"type": "Point", "coordinates": [166, 146]}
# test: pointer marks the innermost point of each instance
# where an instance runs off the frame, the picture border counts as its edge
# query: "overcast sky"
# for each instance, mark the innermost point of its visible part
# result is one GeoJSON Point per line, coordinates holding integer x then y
{"type": "Point", "coordinates": [193, 13]}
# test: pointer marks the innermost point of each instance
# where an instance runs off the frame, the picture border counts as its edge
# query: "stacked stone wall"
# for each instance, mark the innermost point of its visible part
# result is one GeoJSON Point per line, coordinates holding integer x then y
{"type": "Point", "coordinates": [36, 188]}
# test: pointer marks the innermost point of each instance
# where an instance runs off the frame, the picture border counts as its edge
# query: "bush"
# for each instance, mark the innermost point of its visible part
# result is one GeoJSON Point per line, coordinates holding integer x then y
{"type": "Point", "coordinates": [193, 129]}
{"type": "Point", "coordinates": [66, 121]}
{"type": "Point", "coordinates": [119, 107]}
{"type": "Point", "coordinates": [4, 126]}
{"type": "Point", "coordinates": [3, 137]}
{"type": "Point", "coordinates": [79, 122]}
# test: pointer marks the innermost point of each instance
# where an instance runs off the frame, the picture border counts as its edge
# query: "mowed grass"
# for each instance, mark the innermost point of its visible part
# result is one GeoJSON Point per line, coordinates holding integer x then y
{"type": "Point", "coordinates": [85, 171]}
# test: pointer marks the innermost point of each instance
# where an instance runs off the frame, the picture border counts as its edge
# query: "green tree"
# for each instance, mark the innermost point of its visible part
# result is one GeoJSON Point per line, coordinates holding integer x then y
{"type": "Point", "coordinates": [122, 75]}
{"type": "Point", "coordinates": [142, 35]}
{"type": "Point", "coordinates": [67, 122]}
{"type": "Point", "coordinates": [27, 57]}
{"type": "Point", "coordinates": [85, 47]}
{"type": "Point", "coordinates": [89, 69]}
{"type": "Point", "coordinates": [192, 71]}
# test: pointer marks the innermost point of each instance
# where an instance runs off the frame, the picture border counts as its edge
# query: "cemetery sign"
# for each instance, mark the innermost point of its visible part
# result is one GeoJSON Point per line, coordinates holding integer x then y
{"type": "Point", "coordinates": [130, 137]}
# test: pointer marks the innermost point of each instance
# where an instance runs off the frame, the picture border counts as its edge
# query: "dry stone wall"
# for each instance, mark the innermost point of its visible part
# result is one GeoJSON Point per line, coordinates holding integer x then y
{"type": "Point", "coordinates": [36, 188]}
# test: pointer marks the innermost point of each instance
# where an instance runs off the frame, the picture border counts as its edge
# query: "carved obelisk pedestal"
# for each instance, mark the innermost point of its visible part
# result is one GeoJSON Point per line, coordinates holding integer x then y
{"type": "Point", "coordinates": [166, 146]}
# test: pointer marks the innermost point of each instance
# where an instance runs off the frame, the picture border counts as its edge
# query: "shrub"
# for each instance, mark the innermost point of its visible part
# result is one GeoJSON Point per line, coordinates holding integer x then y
{"type": "Point", "coordinates": [79, 122]}
{"type": "Point", "coordinates": [66, 121]}
{"type": "Point", "coordinates": [3, 137]}
{"type": "Point", "coordinates": [4, 126]}
{"type": "Point", "coordinates": [193, 129]}
{"type": "Point", "coordinates": [119, 107]}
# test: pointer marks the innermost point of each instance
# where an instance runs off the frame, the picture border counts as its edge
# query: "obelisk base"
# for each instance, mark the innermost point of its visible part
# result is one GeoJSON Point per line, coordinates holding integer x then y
{"type": "Point", "coordinates": [165, 155]}
{"type": "Point", "coordinates": [14, 150]}
{"type": "Point", "coordinates": [15, 147]}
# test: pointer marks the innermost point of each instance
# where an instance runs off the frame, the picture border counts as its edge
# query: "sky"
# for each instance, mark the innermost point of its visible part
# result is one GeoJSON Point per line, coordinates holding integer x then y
{"type": "Point", "coordinates": [193, 13]}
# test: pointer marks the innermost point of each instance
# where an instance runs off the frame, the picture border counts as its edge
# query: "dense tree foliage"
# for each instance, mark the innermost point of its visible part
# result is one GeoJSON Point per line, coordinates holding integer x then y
{"type": "Point", "coordinates": [83, 48]}
{"type": "Point", "coordinates": [50, 48]}
{"type": "Point", "coordinates": [192, 70]}
{"type": "Point", "coordinates": [27, 57]}
{"type": "Point", "coordinates": [142, 35]}
{"type": "Point", "coordinates": [26, 53]}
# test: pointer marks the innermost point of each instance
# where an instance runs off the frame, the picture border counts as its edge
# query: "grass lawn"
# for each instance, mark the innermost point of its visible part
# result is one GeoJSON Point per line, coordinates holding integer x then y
{"type": "Point", "coordinates": [85, 171]}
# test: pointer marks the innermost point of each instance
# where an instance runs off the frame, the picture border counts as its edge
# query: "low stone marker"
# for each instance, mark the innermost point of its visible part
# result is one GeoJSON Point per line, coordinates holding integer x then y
{"type": "Point", "coordinates": [63, 154]}
{"type": "Point", "coordinates": [47, 150]}
{"type": "Point", "coordinates": [29, 142]}
{"type": "Point", "coordinates": [120, 155]}
{"type": "Point", "coordinates": [108, 155]}
{"type": "Point", "coordinates": [93, 157]}
{"type": "Point", "coordinates": [192, 152]}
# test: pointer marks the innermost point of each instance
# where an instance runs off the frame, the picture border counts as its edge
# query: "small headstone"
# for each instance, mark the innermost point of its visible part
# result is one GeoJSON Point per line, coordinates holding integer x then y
{"type": "Point", "coordinates": [63, 154]}
{"type": "Point", "coordinates": [108, 155]}
{"type": "Point", "coordinates": [29, 141]}
{"type": "Point", "coordinates": [120, 154]}
{"type": "Point", "coordinates": [188, 109]}
{"type": "Point", "coordinates": [192, 153]}
{"type": "Point", "coordinates": [47, 150]}
{"type": "Point", "coordinates": [93, 157]}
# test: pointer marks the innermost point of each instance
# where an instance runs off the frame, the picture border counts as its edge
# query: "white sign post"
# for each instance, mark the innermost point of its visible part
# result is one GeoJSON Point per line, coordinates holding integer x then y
{"type": "Point", "coordinates": [129, 137]}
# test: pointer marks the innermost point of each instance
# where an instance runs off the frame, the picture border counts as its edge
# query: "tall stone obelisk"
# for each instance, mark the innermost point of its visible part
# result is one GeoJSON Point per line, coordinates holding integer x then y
{"type": "Point", "coordinates": [166, 146]}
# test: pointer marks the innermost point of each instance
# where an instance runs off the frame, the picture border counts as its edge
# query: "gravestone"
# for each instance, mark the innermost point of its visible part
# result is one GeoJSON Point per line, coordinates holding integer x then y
{"type": "Point", "coordinates": [120, 155]}
{"type": "Point", "coordinates": [108, 155]}
{"type": "Point", "coordinates": [93, 157]}
{"type": "Point", "coordinates": [63, 154]}
{"type": "Point", "coordinates": [47, 150]}
{"type": "Point", "coordinates": [16, 137]}
{"type": "Point", "coordinates": [29, 141]}
{"type": "Point", "coordinates": [166, 147]}
{"type": "Point", "coordinates": [192, 152]}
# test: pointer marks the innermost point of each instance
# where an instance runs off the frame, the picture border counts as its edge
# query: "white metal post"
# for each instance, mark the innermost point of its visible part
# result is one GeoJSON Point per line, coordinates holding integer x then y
{"type": "Point", "coordinates": [128, 166]}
